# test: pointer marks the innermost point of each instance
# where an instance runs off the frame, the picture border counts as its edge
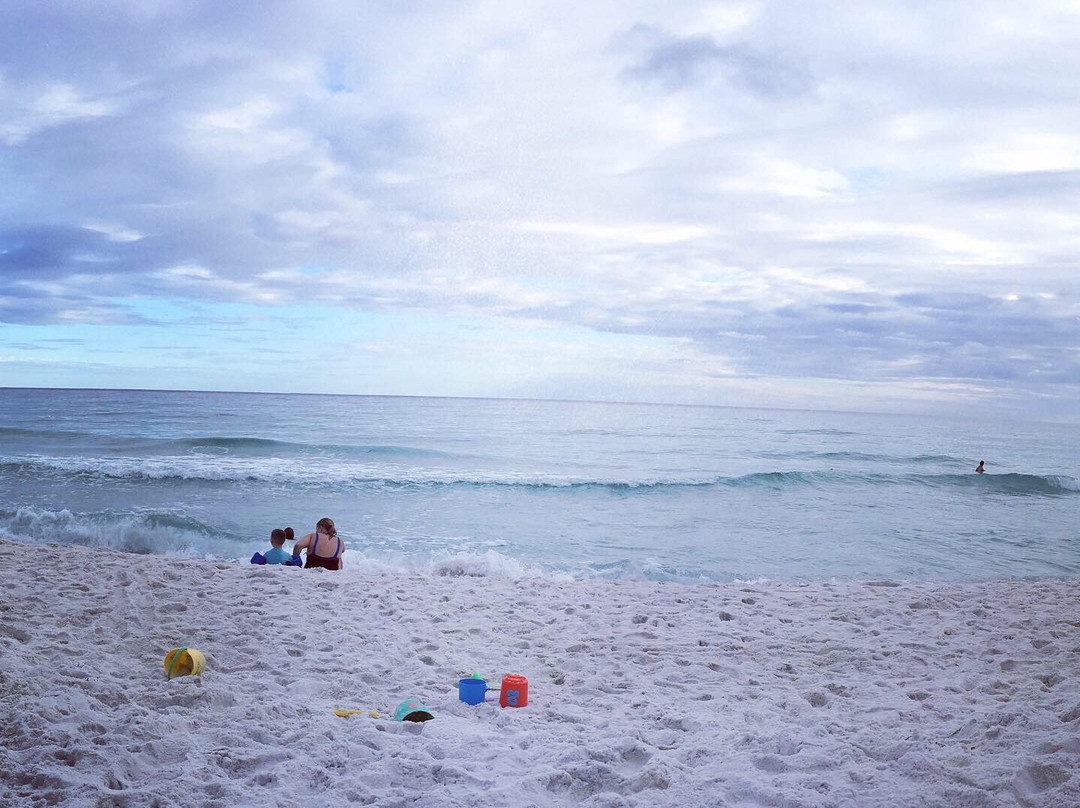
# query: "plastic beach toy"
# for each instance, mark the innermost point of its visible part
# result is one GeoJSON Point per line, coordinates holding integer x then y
{"type": "Point", "coordinates": [412, 710]}
{"type": "Point", "coordinates": [347, 713]}
{"type": "Point", "coordinates": [472, 690]}
{"type": "Point", "coordinates": [515, 691]}
{"type": "Point", "coordinates": [183, 662]}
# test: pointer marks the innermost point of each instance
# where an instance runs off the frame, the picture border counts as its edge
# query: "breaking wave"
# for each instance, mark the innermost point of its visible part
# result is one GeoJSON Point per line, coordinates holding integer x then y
{"type": "Point", "coordinates": [237, 470]}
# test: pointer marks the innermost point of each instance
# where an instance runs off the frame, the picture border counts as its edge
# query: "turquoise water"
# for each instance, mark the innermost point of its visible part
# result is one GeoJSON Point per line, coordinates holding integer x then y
{"type": "Point", "coordinates": [464, 486]}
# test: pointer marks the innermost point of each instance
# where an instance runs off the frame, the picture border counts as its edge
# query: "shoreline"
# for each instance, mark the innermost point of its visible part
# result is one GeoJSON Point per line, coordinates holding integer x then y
{"type": "Point", "coordinates": [494, 565]}
{"type": "Point", "coordinates": [850, 693]}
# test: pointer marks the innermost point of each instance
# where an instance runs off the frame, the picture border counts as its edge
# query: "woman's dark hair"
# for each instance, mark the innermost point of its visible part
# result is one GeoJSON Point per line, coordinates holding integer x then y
{"type": "Point", "coordinates": [289, 534]}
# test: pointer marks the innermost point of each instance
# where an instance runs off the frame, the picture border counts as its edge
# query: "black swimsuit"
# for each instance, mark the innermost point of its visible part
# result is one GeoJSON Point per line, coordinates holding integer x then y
{"type": "Point", "coordinates": [331, 563]}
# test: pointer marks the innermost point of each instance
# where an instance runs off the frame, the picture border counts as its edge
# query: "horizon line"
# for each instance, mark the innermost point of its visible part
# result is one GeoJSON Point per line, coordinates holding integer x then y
{"type": "Point", "coordinates": [507, 398]}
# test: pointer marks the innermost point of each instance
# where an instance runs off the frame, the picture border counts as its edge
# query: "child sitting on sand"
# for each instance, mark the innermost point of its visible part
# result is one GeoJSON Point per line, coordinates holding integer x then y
{"type": "Point", "coordinates": [276, 555]}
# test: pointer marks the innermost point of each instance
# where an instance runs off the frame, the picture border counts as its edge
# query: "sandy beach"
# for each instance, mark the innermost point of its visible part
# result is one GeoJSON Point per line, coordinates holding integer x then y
{"type": "Point", "coordinates": [764, 694]}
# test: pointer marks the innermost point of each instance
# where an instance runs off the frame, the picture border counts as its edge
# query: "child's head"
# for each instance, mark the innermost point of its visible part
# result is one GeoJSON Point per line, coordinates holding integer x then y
{"type": "Point", "coordinates": [278, 536]}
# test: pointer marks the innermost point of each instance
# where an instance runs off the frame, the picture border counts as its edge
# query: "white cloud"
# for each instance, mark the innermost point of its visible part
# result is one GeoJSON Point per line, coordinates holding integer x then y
{"type": "Point", "coordinates": [736, 179]}
{"type": "Point", "coordinates": [1024, 151]}
{"type": "Point", "coordinates": [28, 112]}
{"type": "Point", "coordinates": [627, 233]}
{"type": "Point", "coordinates": [765, 175]}
{"type": "Point", "coordinates": [114, 232]}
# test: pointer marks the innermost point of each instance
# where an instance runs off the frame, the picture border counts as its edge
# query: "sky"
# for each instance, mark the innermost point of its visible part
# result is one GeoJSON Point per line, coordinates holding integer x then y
{"type": "Point", "coordinates": [861, 206]}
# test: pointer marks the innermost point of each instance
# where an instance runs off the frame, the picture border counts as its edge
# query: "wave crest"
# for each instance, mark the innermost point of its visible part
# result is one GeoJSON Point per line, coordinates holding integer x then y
{"type": "Point", "coordinates": [152, 532]}
{"type": "Point", "coordinates": [350, 474]}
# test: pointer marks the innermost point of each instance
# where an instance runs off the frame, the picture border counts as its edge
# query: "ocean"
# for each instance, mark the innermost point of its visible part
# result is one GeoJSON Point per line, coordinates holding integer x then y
{"type": "Point", "coordinates": [549, 488]}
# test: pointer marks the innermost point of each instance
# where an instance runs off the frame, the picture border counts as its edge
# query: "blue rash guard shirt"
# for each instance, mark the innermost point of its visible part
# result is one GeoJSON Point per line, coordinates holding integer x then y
{"type": "Point", "coordinates": [277, 555]}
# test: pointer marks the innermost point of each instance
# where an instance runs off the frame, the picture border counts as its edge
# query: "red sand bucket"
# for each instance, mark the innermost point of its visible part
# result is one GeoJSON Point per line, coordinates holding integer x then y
{"type": "Point", "coordinates": [515, 691]}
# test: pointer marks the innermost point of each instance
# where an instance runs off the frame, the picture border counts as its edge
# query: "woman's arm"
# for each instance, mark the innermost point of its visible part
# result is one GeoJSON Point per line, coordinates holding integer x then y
{"type": "Point", "coordinates": [302, 544]}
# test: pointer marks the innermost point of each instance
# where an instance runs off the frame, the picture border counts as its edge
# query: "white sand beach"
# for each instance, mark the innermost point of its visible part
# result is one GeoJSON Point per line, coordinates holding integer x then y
{"type": "Point", "coordinates": [640, 694]}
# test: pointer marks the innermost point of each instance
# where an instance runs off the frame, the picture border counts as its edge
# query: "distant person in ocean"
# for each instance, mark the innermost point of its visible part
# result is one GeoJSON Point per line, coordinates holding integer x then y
{"type": "Point", "coordinates": [324, 539]}
{"type": "Point", "coordinates": [979, 468]}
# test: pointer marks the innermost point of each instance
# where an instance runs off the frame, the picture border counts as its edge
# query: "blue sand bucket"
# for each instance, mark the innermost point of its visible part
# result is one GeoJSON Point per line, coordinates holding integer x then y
{"type": "Point", "coordinates": [258, 558]}
{"type": "Point", "coordinates": [471, 690]}
{"type": "Point", "coordinates": [412, 710]}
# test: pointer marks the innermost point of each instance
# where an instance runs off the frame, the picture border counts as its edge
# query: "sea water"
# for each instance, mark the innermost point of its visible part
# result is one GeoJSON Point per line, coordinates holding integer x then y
{"type": "Point", "coordinates": [468, 486]}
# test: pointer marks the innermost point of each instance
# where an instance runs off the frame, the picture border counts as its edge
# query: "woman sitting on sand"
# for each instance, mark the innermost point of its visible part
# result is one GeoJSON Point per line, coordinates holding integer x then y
{"type": "Point", "coordinates": [324, 538]}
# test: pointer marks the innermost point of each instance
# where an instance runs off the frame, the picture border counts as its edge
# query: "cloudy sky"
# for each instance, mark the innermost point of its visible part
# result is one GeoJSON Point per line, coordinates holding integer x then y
{"type": "Point", "coordinates": [871, 205]}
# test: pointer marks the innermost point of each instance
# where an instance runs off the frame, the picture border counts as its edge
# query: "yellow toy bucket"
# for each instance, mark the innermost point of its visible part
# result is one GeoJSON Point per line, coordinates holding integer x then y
{"type": "Point", "coordinates": [183, 662]}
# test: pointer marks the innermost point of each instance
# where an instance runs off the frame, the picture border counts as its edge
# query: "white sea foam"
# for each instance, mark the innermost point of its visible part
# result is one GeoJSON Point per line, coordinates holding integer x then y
{"type": "Point", "coordinates": [288, 471]}
{"type": "Point", "coordinates": [446, 564]}
{"type": "Point", "coordinates": [329, 472]}
{"type": "Point", "coordinates": [1064, 483]}
{"type": "Point", "coordinates": [132, 532]}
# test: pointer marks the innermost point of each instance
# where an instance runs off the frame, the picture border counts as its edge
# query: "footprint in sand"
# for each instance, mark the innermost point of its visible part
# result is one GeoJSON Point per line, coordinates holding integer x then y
{"type": "Point", "coordinates": [1037, 778]}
